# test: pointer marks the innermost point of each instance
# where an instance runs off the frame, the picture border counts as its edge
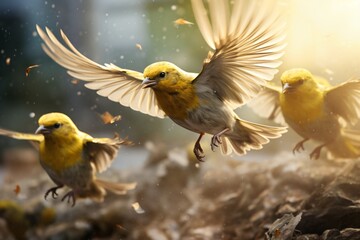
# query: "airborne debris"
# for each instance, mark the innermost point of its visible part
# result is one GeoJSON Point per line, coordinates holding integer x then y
{"type": "Point", "coordinates": [108, 118]}
{"type": "Point", "coordinates": [17, 189]}
{"type": "Point", "coordinates": [74, 81]}
{"type": "Point", "coordinates": [182, 21]}
{"type": "Point", "coordinates": [138, 209]}
{"type": "Point", "coordinates": [121, 227]}
{"type": "Point", "coordinates": [8, 61]}
{"type": "Point", "coordinates": [138, 46]}
{"type": "Point", "coordinates": [27, 71]}
{"type": "Point", "coordinates": [329, 71]}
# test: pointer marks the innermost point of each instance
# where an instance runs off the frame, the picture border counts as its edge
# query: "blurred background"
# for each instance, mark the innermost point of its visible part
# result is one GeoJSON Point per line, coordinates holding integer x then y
{"type": "Point", "coordinates": [323, 36]}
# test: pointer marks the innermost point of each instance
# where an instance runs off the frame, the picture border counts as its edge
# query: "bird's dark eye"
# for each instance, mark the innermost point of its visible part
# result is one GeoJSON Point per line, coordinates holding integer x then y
{"type": "Point", "coordinates": [57, 125]}
{"type": "Point", "coordinates": [162, 74]}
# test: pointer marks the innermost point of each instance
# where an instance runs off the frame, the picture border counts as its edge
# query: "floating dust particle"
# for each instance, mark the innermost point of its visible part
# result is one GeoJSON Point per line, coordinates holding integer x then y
{"type": "Point", "coordinates": [27, 71]}
{"type": "Point", "coordinates": [138, 209]}
{"type": "Point", "coordinates": [138, 46]}
{"type": "Point", "coordinates": [121, 227]}
{"type": "Point", "coordinates": [108, 118]}
{"type": "Point", "coordinates": [32, 115]}
{"type": "Point", "coordinates": [329, 71]}
{"type": "Point", "coordinates": [75, 81]}
{"type": "Point", "coordinates": [182, 21]}
{"type": "Point", "coordinates": [8, 61]}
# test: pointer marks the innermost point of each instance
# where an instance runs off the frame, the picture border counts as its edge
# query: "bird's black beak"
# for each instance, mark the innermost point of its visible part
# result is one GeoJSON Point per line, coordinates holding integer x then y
{"type": "Point", "coordinates": [287, 88]}
{"type": "Point", "coordinates": [43, 130]}
{"type": "Point", "coordinates": [147, 82]}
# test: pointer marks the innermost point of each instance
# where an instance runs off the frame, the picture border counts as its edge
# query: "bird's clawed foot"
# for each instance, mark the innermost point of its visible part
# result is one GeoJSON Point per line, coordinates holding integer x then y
{"type": "Point", "coordinates": [53, 192]}
{"type": "Point", "coordinates": [315, 154]}
{"type": "Point", "coordinates": [198, 151]}
{"type": "Point", "coordinates": [71, 197]}
{"type": "Point", "coordinates": [216, 139]}
{"type": "Point", "coordinates": [300, 146]}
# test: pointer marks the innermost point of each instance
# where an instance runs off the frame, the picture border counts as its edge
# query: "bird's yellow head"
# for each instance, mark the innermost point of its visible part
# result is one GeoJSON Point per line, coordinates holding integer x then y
{"type": "Point", "coordinates": [297, 79]}
{"type": "Point", "coordinates": [56, 125]}
{"type": "Point", "coordinates": [165, 76]}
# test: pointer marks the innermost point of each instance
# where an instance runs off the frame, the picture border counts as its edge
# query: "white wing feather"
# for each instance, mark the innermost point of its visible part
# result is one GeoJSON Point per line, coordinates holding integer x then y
{"type": "Point", "coordinates": [248, 43]}
{"type": "Point", "coordinates": [118, 84]}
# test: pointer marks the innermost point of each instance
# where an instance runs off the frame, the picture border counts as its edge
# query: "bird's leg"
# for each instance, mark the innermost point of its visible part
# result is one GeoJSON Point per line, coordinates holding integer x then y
{"type": "Point", "coordinates": [70, 196]}
{"type": "Point", "coordinates": [300, 145]}
{"type": "Point", "coordinates": [215, 140]}
{"type": "Point", "coordinates": [198, 151]}
{"type": "Point", "coordinates": [53, 191]}
{"type": "Point", "coordinates": [315, 154]}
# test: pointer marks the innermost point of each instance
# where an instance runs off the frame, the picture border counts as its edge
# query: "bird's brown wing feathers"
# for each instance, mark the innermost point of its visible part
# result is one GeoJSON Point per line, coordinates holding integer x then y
{"type": "Point", "coordinates": [267, 104]}
{"type": "Point", "coordinates": [118, 84]}
{"type": "Point", "coordinates": [102, 150]}
{"type": "Point", "coordinates": [344, 100]}
{"type": "Point", "coordinates": [248, 44]}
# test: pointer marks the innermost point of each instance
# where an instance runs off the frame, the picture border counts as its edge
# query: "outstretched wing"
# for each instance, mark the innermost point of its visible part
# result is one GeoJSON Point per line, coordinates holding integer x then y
{"type": "Point", "coordinates": [118, 84]}
{"type": "Point", "coordinates": [248, 44]}
{"type": "Point", "coordinates": [267, 104]}
{"type": "Point", "coordinates": [34, 139]}
{"type": "Point", "coordinates": [344, 100]}
{"type": "Point", "coordinates": [102, 151]}
{"type": "Point", "coordinates": [22, 136]}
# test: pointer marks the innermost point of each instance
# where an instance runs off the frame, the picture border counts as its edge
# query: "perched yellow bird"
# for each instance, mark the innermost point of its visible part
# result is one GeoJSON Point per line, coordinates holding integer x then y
{"type": "Point", "coordinates": [248, 40]}
{"type": "Point", "coordinates": [315, 110]}
{"type": "Point", "coordinates": [71, 157]}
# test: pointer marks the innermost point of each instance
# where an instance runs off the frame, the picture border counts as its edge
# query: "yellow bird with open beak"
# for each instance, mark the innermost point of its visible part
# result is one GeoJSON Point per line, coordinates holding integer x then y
{"type": "Point", "coordinates": [71, 158]}
{"type": "Point", "coordinates": [247, 38]}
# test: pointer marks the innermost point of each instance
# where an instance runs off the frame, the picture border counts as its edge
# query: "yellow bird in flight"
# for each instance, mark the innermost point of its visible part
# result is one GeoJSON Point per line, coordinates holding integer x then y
{"type": "Point", "coordinates": [315, 110]}
{"type": "Point", "coordinates": [247, 38]}
{"type": "Point", "coordinates": [71, 157]}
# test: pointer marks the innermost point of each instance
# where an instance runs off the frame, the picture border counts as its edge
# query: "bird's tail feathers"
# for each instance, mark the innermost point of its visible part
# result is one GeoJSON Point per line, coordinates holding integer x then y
{"type": "Point", "coordinates": [352, 135]}
{"type": "Point", "coordinates": [347, 145]}
{"type": "Point", "coordinates": [117, 188]}
{"type": "Point", "coordinates": [247, 135]}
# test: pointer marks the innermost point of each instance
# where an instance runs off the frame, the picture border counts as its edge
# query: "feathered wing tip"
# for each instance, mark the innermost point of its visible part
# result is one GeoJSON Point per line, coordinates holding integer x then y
{"type": "Point", "coordinates": [344, 100]}
{"type": "Point", "coordinates": [248, 135]}
{"type": "Point", "coordinates": [117, 188]}
{"type": "Point", "coordinates": [248, 39]}
{"type": "Point", "coordinates": [22, 136]}
{"type": "Point", "coordinates": [117, 84]}
{"type": "Point", "coordinates": [102, 151]}
{"type": "Point", "coordinates": [250, 20]}
{"type": "Point", "coordinates": [267, 104]}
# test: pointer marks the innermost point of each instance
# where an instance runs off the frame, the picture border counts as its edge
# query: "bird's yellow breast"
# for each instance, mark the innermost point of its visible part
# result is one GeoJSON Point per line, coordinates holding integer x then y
{"type": "Point", "coordinates": [61, 154]}
{"type": "Point", "coordinates": [302, 109]}
{"type": "Point", "coordinates": [177, 100]}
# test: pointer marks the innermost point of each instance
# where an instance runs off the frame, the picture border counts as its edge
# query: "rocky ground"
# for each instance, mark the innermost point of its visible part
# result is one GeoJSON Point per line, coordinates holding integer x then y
{"type": "Point", "coordinates": [284, 197]}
